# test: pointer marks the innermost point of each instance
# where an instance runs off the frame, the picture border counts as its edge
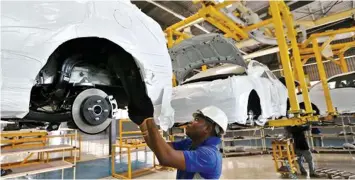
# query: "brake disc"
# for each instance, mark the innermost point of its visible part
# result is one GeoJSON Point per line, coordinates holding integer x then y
{"type": "Point", "coordinates": [91, 111]}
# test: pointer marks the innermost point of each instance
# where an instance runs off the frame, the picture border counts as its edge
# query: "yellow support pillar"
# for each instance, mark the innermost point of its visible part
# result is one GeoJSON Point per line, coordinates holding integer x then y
{"type": "Point", "coordinates": [169, 33]}
{"type": "Point", "coordinates": [285, 59]}
{"type": "Point", "coordinates": [343, 64]}
{"type": "Point", "coordinates": [298, 66]}
{"type": "Point", "coordinates": [323, 76]}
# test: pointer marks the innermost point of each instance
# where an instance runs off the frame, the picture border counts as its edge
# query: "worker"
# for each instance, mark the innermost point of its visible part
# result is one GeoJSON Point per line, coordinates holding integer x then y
{"type": "Point", "coordinates": [302, 149]}
{"type": "Point", "coordinates": [195, 157]}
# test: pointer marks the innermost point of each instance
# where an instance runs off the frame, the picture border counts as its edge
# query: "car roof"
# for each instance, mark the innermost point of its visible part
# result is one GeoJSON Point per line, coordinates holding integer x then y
{"type": "Point", "coordinates": [220, 70]}
{"type": "Point", "coordinates": [335, 76]}
{"type": "Point", "coordinates": [342, 74]}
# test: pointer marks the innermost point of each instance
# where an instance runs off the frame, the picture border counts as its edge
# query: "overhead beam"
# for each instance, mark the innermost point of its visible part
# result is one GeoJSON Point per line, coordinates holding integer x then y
{"type": "Point", "coordinates": [261, 53]}
{"type": "Point", "coordinates": [298, 4]}
{"type": "Point", "coordinates": [181, 17]}
{"type": "Point", "coordinates": [326, 20]}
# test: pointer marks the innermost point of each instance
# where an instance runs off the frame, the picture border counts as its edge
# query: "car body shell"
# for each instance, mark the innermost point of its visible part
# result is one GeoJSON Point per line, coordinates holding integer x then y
{"type": "Point", "coordinates": [342, 96]}
{"type": "Point", "coordinates": [32, 30]}
{"type": "Point", "coordinates": [231, 94]}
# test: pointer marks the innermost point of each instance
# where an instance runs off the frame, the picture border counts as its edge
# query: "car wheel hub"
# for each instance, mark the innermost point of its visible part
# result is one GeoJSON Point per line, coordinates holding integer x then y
{"type": "Point", "coordinates": [95, 110]}
{"type": "Point", "coordinates": [92, 112]}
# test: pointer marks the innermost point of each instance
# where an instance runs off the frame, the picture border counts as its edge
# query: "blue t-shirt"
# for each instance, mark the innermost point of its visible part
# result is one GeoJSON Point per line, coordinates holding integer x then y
{"type": "Point", "coordinates": [205, 159]}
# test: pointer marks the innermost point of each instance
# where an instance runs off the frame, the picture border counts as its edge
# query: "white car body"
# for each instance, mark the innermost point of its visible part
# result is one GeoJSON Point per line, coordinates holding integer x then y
{"type": "Point", "coordinates": [342, 93]}
{"type": "Point", "coordinates": [32, 30]}
{"type": "Point", "coordinates": [231, 94]}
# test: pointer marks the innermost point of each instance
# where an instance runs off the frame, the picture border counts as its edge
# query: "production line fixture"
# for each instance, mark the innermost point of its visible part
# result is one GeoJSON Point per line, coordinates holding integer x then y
{"type": "Point", "coordinates": [226, 16]}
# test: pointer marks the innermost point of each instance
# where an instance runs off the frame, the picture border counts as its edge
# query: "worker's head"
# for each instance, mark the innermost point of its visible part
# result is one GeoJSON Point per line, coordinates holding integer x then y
{"type": "Point", "coordinates": [209, 121]}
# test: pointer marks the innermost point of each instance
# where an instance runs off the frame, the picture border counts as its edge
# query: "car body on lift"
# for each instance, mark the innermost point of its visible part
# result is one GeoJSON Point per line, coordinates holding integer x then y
{"type": "Point", "coordinates": [79, 61]}
{"type": "Point", "coordinates": [342, 93]}
{"type": "Point", "coordinates": [247, 93]}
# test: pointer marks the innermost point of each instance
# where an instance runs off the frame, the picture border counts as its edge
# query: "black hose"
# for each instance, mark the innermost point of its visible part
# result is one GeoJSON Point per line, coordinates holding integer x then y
{"type": "Point", "coordinates": [48, 117]}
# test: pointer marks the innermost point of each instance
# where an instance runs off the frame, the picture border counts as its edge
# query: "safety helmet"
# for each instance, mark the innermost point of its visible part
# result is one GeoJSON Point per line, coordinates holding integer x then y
{"type": "Point", "coordinates": [216, 115]}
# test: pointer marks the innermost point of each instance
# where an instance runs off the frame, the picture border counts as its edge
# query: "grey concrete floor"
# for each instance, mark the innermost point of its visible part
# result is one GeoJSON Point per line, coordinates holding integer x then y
{"type": "Point", "coordinates": [262, 166]}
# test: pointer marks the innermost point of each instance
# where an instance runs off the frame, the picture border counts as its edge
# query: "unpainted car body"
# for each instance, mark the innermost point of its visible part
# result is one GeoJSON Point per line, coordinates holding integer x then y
{"type": "Point", "coordinates": [58, 56]}
{"type": "Point", "coordinates": [244, 93]}
{"type": "Point", "coordinates": [342, 93]}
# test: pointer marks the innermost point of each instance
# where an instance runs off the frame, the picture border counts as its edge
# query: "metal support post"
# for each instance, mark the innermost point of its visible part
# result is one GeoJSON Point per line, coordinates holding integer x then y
{"type": "Point", "coordinates": [169, 33]}
{"type": "Point", "coordinates": [298, 67]}
{"type": "Point", "coordinates": [120, 131]}
{"type": "Point", "coordinates": [280, 64]}
{"type": "Point", "coordinates": [285, 59]}
{"type": "Point", "coordinates": [343, 64]}
{"type": "Point", "coordinates": [112, 135]}
{"type": "Point", "coordinates": [323, 76]}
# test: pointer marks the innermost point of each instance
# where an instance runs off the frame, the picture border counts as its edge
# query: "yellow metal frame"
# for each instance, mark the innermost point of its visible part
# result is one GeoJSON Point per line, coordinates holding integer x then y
{"type": "Point", "coordinates": [295, 121]}
{"type": "Point", "coordinates": [121, 144]}
{"type": "Point", "coordinates": [33, 139]}
{"type": "Point", "coordinates": [315, 52]}
{"type": "Point", "coordinates": [280, 13]}
{"type": "Point", "coordinates": [122, 132]}
{"type": "Point", "coordinates": [172, 135]}
{"type": "Point", "coordinates": [210, 13]}
{"type": "Point", "coordinates": [282, 23]}
{"type": "Point", "coordinates": [282, 150]}
{"type": "Point", "coordinates": [129, 173]}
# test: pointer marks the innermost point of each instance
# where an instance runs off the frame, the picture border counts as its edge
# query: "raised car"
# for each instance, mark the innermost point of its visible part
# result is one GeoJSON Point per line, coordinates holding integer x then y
{"type": "Point", "coordinates": [246, 92]}
{"type": "Point", "coordinates": [342, 93]}
{"type": "Point", "coordinates": [80, 62]}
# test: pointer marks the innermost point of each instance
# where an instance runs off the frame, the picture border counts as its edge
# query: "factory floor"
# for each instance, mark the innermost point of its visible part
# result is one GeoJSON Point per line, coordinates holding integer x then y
{"type": "Point", "coordinates": [262, 166]}
{"type": "Point", "coordinates": [95, 163]}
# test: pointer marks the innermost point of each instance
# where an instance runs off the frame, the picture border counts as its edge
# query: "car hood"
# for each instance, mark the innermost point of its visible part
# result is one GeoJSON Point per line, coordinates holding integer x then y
{"type": "Point", "coordinates": [201, 50]}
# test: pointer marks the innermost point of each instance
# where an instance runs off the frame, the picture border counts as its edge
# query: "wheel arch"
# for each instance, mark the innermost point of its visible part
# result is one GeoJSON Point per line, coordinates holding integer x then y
{"type": "Point", "coordinates": [302, 106]}
{"type": "Point", "coordinates": [254, 103]}
{"type": "Point", "coordinates": [72, 46]}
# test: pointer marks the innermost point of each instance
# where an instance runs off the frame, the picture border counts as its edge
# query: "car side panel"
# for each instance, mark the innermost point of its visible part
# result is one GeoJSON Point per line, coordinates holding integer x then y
{"type": "Point", "coordinates": [231, 95]}
{"type": "Point", "coordinates": [263, 88]}
{"type": "Point", "coordinates": [343, 99]}
{"type": "Point", "coordinates": [271, 90]}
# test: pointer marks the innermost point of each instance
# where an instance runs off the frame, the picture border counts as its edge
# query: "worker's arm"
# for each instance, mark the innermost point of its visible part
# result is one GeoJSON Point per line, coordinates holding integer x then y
{"type": "Point", "coordinates": [165, 153]}
{"type": "Point", "coordinates": [141, 113]}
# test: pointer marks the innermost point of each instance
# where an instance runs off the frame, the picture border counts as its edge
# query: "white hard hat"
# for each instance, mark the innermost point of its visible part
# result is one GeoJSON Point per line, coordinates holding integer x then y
{"type": "Point", "coordinates": [216, 115]}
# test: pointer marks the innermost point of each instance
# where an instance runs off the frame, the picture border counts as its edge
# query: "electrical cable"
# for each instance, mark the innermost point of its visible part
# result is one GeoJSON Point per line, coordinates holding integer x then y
{"type": "Point", "coordinates": [330, 7]}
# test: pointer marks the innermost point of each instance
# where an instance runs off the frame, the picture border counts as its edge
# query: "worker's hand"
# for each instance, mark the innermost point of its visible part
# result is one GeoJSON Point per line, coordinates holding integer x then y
{"type": "Point", "coordinates": [139, 112]}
